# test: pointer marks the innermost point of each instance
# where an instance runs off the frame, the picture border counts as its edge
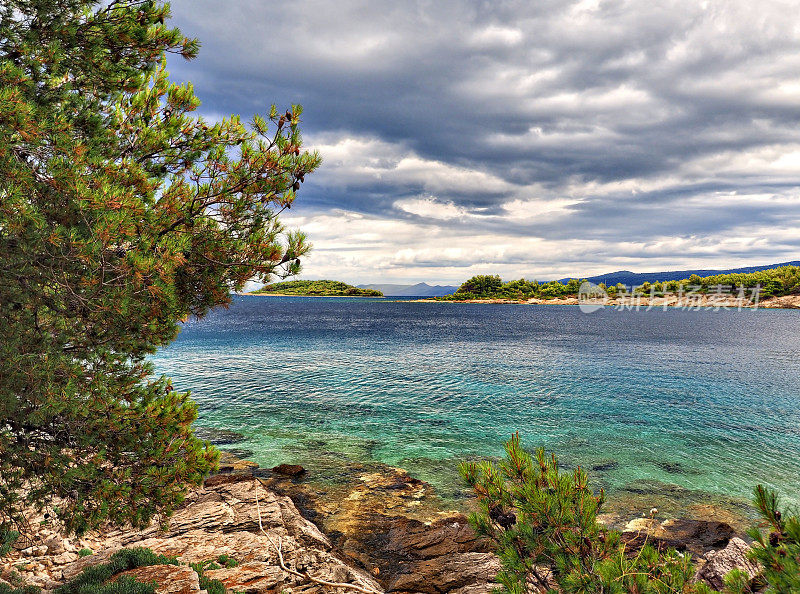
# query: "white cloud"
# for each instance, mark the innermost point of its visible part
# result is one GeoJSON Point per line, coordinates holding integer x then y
{"type": "Point", "coordinates": [538, 139]}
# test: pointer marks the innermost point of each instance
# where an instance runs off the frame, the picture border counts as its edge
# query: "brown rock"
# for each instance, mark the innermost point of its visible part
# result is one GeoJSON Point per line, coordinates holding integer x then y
{"type": "Point", "coordinates": [720, 563]}
{"type": "Point", "coordinates": [251, 577]}
{"type": "Point", "coordinates": [447, 573]}
{"type": "Point", "coordinates": [170, 579]}
{"type": "Point", "coordinates": [694, 536]}
{"type": "Point", "coordinates": [289, 469]}
{"type": "Point", "coordinates": [223, 518]}
{"type": "Point", "coordinates": [55, 545]}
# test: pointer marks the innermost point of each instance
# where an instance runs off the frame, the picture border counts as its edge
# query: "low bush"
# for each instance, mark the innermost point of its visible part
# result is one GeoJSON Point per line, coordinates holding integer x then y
{"type": "Point", "coordinates": [93, 579]}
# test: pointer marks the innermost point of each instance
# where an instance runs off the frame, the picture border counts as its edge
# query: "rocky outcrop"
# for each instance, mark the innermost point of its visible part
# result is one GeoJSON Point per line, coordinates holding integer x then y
{"type": "Point", "coordinates": [221, 518]}
{"type": "Point", "coordinates": [393, 526]}
{"type": "Point", "coordinates": [169, 579]}
{"type": "Point", "coordinates": [289, 469]}
{"type": "Point", "coordinates": [382, 530]}
{"type": "Point", "coordinates": [719, 563]}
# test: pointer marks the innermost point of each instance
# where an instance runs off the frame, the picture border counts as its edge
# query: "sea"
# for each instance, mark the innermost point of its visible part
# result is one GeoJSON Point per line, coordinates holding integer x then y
{"type": "Point", "coordinates": [689, 407]}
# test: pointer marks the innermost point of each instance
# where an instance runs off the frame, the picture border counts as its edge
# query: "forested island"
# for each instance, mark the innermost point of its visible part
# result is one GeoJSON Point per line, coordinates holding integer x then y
{"type": "Point", "coordinates": [773, 282]}
{"type": "Point", "coordinates": [316, 288]}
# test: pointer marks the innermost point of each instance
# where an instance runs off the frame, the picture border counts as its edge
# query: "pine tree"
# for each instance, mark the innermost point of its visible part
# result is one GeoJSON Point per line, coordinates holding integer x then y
{"type": "Point", "coordinates": [121, 213]}
{"type": "Point", "coordinates": [778, 551]}
{"type": "Point", "coordinates": [543, 524]}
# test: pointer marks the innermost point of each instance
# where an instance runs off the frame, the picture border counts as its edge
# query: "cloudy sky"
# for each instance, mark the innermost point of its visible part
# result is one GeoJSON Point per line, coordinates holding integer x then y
{"type": "Point", "coordinates": [538, 139]}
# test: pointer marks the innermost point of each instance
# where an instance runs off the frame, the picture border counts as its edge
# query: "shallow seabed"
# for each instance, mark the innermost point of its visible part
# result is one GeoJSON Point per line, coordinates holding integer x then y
{"type": "Point", "coordinates": [684, 409]}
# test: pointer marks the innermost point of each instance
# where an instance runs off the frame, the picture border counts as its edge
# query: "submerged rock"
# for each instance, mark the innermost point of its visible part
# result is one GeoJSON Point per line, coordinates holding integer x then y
{"type": "Point", "coordinates": [218, 436]}
{"type": "Point", "coordinates": [288, 469]}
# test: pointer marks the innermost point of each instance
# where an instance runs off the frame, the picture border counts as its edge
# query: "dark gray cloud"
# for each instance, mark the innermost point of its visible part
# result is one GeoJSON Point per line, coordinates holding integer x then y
{"type": "Point", "coordinates": [558, 134]}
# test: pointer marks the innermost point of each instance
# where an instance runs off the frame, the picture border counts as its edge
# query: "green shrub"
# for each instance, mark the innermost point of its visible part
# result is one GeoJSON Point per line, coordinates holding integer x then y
{"type": "Point", "coordinates": [92, 580]}
{"type": "Point", "coordinates": [227, 561]}
{"type": "Point", "coordinates": [206, 583]}
{"type": "Point", "coordinates": [7, 538]}
{"type": "Point", "coordinates": [5, 589]}
{"type": "Point", "coordinates": [85, 553]}
{"type": "Point", "coordinates": [212, 586]}
{"type": "Point", "coordinates": [124, 585]}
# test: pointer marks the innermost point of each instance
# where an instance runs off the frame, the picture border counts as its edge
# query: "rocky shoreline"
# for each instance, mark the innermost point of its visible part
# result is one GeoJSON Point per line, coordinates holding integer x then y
{"type": "Point", "coordinates": [385, 533]}
{"type": "Point", "coordinates": [643, 302]}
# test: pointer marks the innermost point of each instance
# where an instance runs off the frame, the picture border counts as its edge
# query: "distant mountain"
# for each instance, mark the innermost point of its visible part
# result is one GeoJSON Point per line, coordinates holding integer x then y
{"type": "Point", "coordinates": [626, 277]}
{"type": "Point", "coordinates": [418, 290]}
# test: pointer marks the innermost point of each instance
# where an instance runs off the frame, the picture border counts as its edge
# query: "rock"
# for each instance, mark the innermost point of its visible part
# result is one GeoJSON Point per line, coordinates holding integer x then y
{"type": "Point", "coordinates": [251, 577]}
{"type": "Point", "coordinates": [719, 563]}
{"type": "Point", "coordinates": [694, 536]}
{"type": "Point", "coordinates": [390, 524]}
{"type": "Point", "coordinates": [170, 579]}
{"type": "Point", "coordinates": [289, 469]}
{"type": "Point", "coordinates": [229, 463]}
{"type": "Point", "coordinates": [447, 573]}
{"type": "Point", "coordinates": [223, 518]}
{"type": "Point", "coordinates": [55, 545]}
{"type": "Point", "coordinates": [64, 558]}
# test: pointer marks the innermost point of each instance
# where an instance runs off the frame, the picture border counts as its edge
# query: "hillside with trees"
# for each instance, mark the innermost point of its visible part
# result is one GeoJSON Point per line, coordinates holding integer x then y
{"type": "Point", "coordinates": [316, 288]}
{"type": "Point", "coordinates": [774, 282]}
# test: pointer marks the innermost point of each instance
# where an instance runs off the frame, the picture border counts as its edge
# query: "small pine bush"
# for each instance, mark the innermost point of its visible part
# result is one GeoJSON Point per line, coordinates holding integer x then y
{"type": "Point", "coordinates": [7, 538]}
{"type": "Point", "coordinates": [93, 579]}
{"type": "Point", "coordinates": [544, 526]}
{"type": "Point", "coordinates": [778, 551]}
{"type": "Point", "coordinates": [206, 583]}
{"type": "Point", "coordinates": [6, 589]}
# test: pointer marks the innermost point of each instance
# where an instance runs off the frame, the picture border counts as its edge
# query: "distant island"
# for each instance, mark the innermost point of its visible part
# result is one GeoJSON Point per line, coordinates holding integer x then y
{"type": "Point", "coordinates": [316, 288]}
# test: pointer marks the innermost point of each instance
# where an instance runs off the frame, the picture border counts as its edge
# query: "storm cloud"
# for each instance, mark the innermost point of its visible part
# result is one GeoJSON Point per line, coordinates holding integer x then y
{"type": "Point", "coordinates": [539, 139]}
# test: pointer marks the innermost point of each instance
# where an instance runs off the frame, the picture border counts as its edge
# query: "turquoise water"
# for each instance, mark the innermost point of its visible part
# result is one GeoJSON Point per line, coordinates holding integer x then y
{"type": "Point", "coordinates": [706, 401]}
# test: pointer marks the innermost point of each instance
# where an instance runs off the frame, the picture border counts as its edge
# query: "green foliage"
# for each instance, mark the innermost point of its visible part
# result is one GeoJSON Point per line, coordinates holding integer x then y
{"type": "Point", "coordinates": [778, 550]}
{"type": "Point", "coordinates": [85, 553]}
{"type": "Point", "coordinates": [324, 288]}
{"type": "Point", "coordinates": [7, 538]}
{"type": "Point", "coordinates": [227, 561]}
{"type": "Point", "coordinates": [121, 213]}
{"type": "Point", "coordinates": [5, 589]}
{"type": "Point", "coordinates": [481, 285]}
{"type": "Point", "coordinates": [94, 577]}
{"type": "Point", "coordinates": [543, 524]}
{"type": "Point", "coordinates": [211, 586]}
{"type": "Point", "coordinates": [124, 585]}
{"type": "Point", "coordinates": [206, 583]}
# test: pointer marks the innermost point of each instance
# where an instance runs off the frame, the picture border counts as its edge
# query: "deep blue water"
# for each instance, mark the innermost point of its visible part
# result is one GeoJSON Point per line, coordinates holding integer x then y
{"type": "Point", "coordinates": [705, 400]}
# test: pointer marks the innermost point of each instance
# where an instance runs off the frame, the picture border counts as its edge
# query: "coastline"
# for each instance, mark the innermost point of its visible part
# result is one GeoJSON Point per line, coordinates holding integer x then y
{"type": "Point", "coordinates": [696, 302]}
{"type": "Point", "coordinates": [383, 530]}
